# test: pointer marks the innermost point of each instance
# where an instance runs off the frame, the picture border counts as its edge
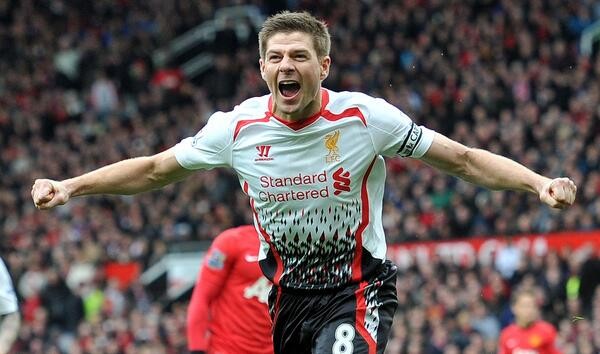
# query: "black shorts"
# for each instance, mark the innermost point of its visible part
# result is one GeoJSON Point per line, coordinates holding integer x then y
{"type": "Point", "coordinates": [355, 319]}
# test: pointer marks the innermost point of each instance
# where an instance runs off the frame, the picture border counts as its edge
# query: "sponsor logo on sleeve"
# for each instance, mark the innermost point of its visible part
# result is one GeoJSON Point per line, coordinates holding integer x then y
{"type": "Point", "coordinates": [216, 259]}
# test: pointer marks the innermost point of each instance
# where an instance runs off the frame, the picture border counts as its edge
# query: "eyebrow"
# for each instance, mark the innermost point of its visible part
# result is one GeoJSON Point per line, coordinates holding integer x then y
{"type": "Point", "coordinates": [293, 51]}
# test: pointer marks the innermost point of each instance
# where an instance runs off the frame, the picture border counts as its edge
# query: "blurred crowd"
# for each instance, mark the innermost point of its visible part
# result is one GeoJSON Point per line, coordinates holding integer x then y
{"type": "Point", "coordinates": [79, 89]}
{"type": "Point", "coordinates": [444, 309]}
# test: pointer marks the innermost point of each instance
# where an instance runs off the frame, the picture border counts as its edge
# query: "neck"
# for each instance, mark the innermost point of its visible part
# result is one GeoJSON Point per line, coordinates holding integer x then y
{"type": "Point", "coordinates": [310, 110]}
{"type": "Point", "coordinates": [525, 324]}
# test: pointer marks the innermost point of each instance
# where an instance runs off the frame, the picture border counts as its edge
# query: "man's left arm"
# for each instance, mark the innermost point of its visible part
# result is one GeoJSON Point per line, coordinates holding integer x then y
{"type": "Point", "coordinates": [496, 172]}
{"type": "Point", "coordinates": [9, 330]}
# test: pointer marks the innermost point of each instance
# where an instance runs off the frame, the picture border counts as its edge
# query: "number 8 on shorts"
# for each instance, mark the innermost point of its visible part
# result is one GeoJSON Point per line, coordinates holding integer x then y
{"type": "Point", "coordinates": [344, 334]}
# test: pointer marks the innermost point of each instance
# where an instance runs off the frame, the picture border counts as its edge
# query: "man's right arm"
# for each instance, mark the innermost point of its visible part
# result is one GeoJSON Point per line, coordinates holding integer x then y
{"type": "Point", "coordinates": [125, 177]}
{"type": "Point", "coordinates": [210, 283]}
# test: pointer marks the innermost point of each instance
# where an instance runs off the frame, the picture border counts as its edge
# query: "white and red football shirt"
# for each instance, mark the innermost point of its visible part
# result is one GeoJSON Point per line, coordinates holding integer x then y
{"type": "Point", "coordinates": [315, 186]}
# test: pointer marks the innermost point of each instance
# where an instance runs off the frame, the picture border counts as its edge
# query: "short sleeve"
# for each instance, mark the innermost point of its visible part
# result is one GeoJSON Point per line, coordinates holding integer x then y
{"type": "Point", "coordinates": [210, 147]}
{"type": "Point", "coordinates": [393, 132]}
{"type": "Point", "coordinates": [8, 298]}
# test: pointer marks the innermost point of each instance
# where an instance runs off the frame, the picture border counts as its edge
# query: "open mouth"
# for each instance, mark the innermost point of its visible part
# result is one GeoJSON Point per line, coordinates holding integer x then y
{"type": "Point", "coordinates": [289, 88]}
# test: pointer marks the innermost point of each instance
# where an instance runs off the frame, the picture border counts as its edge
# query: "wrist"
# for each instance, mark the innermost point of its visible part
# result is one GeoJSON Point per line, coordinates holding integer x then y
{"type": "Point", "coordinates": [69, 187]}
{"type": "Point", "coordinates": [541, 184]}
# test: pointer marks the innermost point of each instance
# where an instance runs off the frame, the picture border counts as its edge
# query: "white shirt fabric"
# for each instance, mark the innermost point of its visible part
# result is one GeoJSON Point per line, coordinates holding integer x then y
{"type": "Point", "coordinates": [315, 187]}
{"type": "Point", "coordinates": [8, 298]}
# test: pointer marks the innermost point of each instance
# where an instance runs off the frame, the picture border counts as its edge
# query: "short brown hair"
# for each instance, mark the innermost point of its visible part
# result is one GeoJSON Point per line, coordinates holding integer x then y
{"type": "Point", "coordinates": [288, 22]}
{"type": "Point", "coordinates": [522, 292]}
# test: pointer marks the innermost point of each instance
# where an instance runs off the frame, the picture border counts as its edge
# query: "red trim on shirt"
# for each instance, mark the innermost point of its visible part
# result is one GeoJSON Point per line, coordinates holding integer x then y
{"type": "Point", "coordinates": [276, 307]}
{"type": "Point", "coordinates": [245, 122]}
{"type": "Point", "coordinates": [364, 199]}
{"type": "Point", "coordinates": [266, 236]}
{"type": "Point", "coordinates": [297, 125]}
{"type": "Point", "coordinates": [349, 112]}
{"type": "Point", "coordinates": [361, 313]}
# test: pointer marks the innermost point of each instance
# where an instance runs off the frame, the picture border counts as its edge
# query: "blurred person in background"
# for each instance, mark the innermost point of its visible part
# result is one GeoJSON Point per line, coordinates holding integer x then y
{"type": "Point", "coordinates": [334, 143]}
{"type": "Point", "coordinates": [64, 308]}
{"type": "Point", "coordinates": [529, 334]}
{"type": "Point", "coordinates": [228, 312]}
{"type": "Point", "coordinates": [10, 319]}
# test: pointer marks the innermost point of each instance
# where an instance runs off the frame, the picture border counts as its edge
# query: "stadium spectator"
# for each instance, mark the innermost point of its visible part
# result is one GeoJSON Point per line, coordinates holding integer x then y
{"type": "Point", "coordinates": [64, 308]}
{"type": "Point", "coordinates": [508, 259]}
{"type": "Point", "coordinates": [528, 334]}
{"type": "Point", "coordinates": [228, 311]}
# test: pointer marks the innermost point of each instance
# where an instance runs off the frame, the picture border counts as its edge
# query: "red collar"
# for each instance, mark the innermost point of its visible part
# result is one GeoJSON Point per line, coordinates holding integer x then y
{"type": "Point", "coordinates": [299, 124]}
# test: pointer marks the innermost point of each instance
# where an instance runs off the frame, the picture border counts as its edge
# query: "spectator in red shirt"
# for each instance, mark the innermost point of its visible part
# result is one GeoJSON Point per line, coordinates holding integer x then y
{"type": "Point", "coordinates": [228, 312]}
{"type": "Point", "coordinates": [529, 334]}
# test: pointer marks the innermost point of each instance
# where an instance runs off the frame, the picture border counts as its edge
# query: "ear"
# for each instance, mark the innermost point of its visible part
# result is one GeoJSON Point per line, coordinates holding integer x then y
{"type": "Point", "coordinates": [261, 63]}
{"type": "Point", "coordinates": [325, 64]}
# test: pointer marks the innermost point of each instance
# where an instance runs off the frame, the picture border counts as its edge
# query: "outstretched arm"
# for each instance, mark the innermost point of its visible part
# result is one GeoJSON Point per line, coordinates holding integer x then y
{"type": "Point", "coordinates": [124, 177]}
{"type": "Point", "coordinates": [497, 172]}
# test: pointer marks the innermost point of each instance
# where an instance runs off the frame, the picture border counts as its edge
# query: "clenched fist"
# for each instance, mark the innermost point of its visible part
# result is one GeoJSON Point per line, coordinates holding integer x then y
{"type": "Point", "coordinates": [47, 193]}
{"type": "Point", "coordinates": [559, 193]}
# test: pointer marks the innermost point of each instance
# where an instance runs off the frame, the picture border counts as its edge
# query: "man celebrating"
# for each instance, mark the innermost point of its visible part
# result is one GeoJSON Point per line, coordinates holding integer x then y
{"type": "Point", "coordinates": [528, 335]}
{"type": "Point", "coordinates": [312, 162]}
{"type": "Point", "coordinates": [228, 312]}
